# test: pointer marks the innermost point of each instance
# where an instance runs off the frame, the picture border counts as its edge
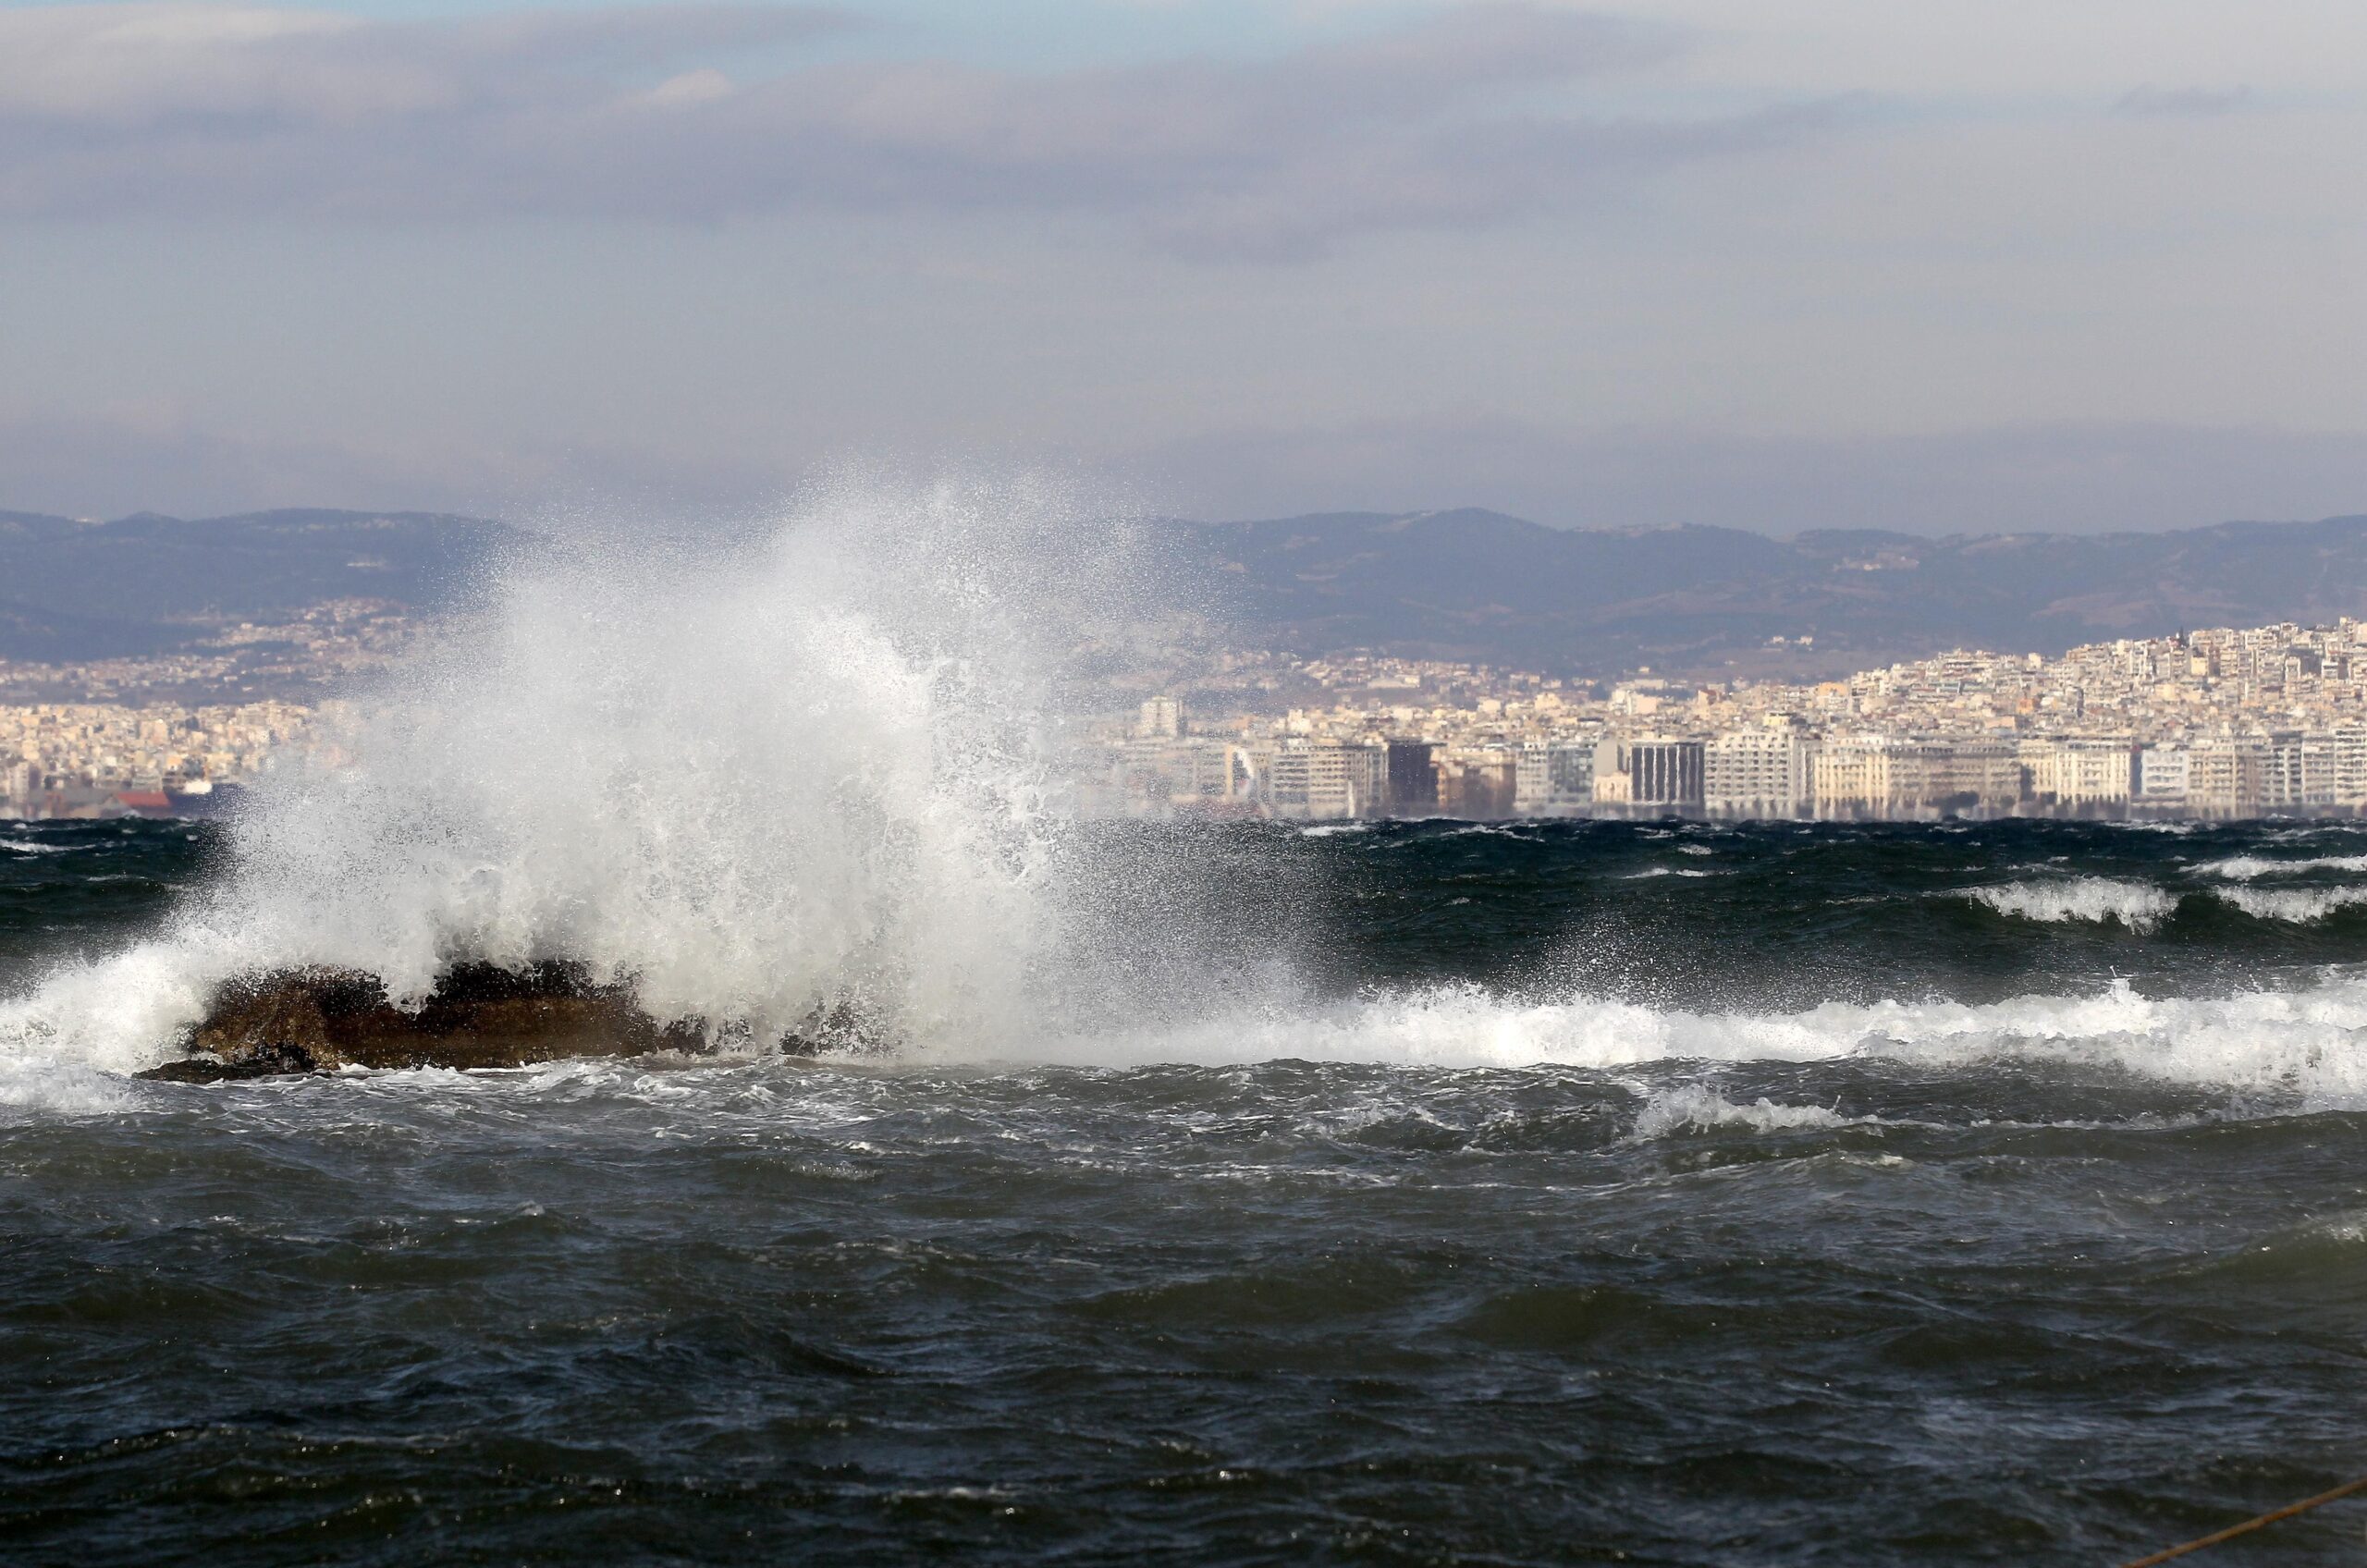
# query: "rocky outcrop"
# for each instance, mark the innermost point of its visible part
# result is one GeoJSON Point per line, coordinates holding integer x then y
{"type": "Point", "coordinates": [317, 1019]}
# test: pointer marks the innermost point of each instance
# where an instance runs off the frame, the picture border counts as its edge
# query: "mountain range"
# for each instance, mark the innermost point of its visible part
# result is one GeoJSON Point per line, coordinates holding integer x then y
{"type": "Point", "coordinates": [1465, 584]}
{"type": "Point", "coordinates": [143, 584]}
{"type": "Point", "coordinates": [1483, 586]}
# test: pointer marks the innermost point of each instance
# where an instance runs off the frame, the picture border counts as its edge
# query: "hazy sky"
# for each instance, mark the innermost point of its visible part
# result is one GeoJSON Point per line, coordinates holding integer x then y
{"type": "Point", "coordinates": [1775, 263]}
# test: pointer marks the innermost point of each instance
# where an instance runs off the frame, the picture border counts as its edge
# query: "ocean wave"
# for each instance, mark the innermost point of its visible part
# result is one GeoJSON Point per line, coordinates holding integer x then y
{"type": "Point", "coordinates": [2140, 906]}
{"type": "Point", "coordinates": [2310, 1042]}
{"type": "Point", "coordinates": [2249, 868]}
{"type": "Point", "coordinates": [60, 1088]}
{"type": "Point", "coordinates": [1697, 1109]}
{"type": "Point", "coordinates": [1652, 871]}
{"type": "Point", "coordinates": [2298, 906]}
{"type": "Point", "coordinates": [1333, 829]}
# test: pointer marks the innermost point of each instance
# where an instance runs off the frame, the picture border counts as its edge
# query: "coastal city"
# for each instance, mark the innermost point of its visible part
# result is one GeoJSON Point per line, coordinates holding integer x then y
{"type": "Point", "coordinates": [100, 759]}
{"type": "Point", "coordinates": [181, 731]}
{"type": "Point", "coordinates": [2213, 724]}
{"type": "Point", "coordinates": [318, 651]}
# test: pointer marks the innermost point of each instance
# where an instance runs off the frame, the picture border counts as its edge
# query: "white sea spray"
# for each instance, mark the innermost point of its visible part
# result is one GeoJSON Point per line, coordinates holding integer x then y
{"type": "Point", "coordinates": [758, 784]}
{"type": "Point", "coordinates": [2140, 906]}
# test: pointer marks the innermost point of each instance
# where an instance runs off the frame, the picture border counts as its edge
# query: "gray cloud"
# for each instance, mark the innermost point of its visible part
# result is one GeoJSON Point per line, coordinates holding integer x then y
{"type": "Point", "coordinates": [82, 466]}
{"type": "Point", "coordinates": [129, 69]}
{"type": "Point", "coordinates": [93, 467]}
{"type": "Point", "coordinates": [2182, 103]}
{"type": "Point", "coordinates": [206, 111]}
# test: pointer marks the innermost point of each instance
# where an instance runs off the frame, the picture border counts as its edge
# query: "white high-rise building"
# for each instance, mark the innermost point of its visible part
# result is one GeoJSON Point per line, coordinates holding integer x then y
{"type": "Point", "coordinates": [1755, 773]}
{"type": "Point", "coordinates": [1162, 719]}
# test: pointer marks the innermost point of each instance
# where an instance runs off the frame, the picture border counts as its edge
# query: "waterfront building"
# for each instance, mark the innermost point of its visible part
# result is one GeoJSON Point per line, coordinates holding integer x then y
{"type": "Point", "coordinates": [2164, 775]}
{"type": "Point", "coordinates": [1160, 718]}
{"type": "Point", "coordinates": [1327, 778]}
{"type": "Point", "coordinates": [1177, 770]}
{"type": "Point", "coordinates": [1650, 773]}
{"type": "Point", "coordinates": [1554, 777]}
{"type": "Point", "coordinates": [1886, 777]}
{"type": "Point", "coordinates": [1479, 783]}
{"type": "Point", "coordinates": [2089, 775]}
{"type": "Point", "coordinates": [1755, 773]}
{"type": "Point", "coordinates": [2227, 776]}
{"type": "Point", "coordinates": [1413, 777]}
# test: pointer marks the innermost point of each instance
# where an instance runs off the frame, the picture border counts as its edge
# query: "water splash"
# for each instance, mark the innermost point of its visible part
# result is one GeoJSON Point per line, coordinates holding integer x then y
{"type": "Point", "coordinates": [807, 775]}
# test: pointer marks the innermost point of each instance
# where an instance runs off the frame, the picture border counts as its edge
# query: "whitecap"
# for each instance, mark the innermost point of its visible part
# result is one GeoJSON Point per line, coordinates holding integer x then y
{"type": "Point", "coordinates": [2247, 868]}
{"type": "Point", "coordinates": [2298, 906]}
{"type": "Point", "coordinates": [1696, 1108]}
{"type": "Point", "coordinates": [2140, 906]}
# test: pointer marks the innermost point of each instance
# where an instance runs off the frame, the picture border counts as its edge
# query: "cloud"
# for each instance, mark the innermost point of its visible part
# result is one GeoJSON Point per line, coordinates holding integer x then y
{"type": "Point", "coordinates": [2182, 103]}
{"type": "Point", "coordinates": [110, 465]}
{"type": "Point", "coordinates": [92, 69]}
{"type": "Point", "coordinates": [208, 111]}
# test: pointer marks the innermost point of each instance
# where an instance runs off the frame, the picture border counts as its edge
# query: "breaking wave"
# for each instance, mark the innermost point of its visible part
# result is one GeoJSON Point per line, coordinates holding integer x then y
{"type": "Point", "coordinates": [2296, 906]}
{"type": "Point", "coordinates": [2140, 906]}
{"type": "Point", "coordinates": [2246, 868]}
{"type": "Point", "coordinates": [25, 847]}
{"type": "Point", "coordinates": [1696, 1108]}
{"type": "Point", "coordinates": [2309, 1042]}
{"type": "Point", "coordinates": [820, 774]}
{"type": "Point", "coordinates": [807, 774]}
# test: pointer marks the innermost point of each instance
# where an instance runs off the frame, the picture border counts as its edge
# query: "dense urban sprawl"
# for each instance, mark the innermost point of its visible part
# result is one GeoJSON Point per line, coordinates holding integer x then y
{"type": "Point", "coordinates": [174, 733]}
{"type": "Point", "coordinates": [87, 759]}
{"type": "Point", "coordinates": [299, 659]}
{"type": "Point", "coordinates": [2207, 724]}
{"type": "Point", "coordinates": [2216, 723]}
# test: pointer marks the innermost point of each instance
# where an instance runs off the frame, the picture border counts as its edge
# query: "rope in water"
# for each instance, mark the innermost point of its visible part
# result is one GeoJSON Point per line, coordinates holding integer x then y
{"type": "Point", "coordinates": [2232, 1531]}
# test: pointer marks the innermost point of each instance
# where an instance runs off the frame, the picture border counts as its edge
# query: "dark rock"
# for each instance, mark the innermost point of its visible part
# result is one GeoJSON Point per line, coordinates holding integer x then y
{"type": "Point", "coordinates": [317, 1019]}
{"type": "Point", "coordinates": [204, 1070]}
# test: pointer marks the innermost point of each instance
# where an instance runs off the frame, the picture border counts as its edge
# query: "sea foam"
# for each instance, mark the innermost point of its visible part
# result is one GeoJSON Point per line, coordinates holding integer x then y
{"type": "Point", "coordinates": [2140, 906]}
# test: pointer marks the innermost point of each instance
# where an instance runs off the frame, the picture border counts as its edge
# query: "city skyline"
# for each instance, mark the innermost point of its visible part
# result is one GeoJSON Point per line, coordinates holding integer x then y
{"type": "Point", "coordinates": [2218, 723]}
{"type": "Point", "coordinates": [2213, 723]}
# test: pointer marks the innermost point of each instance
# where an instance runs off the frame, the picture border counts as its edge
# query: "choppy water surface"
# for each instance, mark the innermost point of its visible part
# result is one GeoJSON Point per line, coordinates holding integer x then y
{"type": "Point", "coordinates": [1580, 1192]}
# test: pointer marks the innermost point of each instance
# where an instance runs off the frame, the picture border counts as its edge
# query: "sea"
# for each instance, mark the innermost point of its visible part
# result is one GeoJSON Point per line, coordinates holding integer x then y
{"type": "Point", "coordinates": [1619, 1191]}
{"type": "Point", "coordinates": [1229, 1193]}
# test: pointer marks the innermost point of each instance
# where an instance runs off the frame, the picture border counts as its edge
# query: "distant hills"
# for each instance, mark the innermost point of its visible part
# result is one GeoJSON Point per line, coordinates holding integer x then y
{"type": "Point", "coordinates": [147, 583]}
{"type": "Point", "coordinates": [1480, 586]}
{"type": "Point", "coordinates": [1468, 584]}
